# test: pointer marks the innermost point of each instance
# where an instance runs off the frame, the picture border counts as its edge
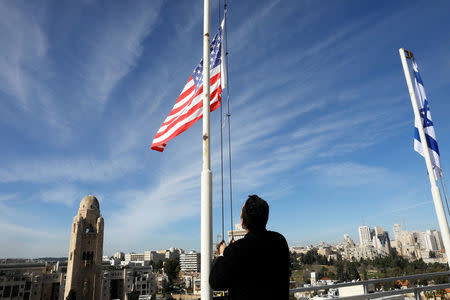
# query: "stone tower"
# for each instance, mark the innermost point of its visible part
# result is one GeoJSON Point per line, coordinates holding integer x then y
{"type": "Point", "coordinates": [86, 250]}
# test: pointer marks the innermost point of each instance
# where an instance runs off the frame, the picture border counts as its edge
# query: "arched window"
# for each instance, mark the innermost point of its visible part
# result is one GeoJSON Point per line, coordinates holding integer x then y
{"type": "Point", "coordinates": [84, 256]}
{"type": "Point", "coordinates": [90, 228]}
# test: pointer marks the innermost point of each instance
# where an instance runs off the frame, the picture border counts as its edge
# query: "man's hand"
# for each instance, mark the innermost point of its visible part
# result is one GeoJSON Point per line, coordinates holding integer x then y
{"type": "Point", "coordinates": [221, 247]}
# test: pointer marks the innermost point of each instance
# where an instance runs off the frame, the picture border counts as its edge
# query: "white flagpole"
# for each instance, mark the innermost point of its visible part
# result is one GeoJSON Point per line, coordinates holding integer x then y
{"type": "Point", "coordinates": [437, 199]}
{"type": "Point", "coordinates": [206, 194]}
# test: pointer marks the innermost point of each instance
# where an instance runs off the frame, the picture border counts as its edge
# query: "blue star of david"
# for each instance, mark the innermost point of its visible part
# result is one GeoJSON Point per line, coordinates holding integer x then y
{"type": "Point", "coordinates": [424, 115]}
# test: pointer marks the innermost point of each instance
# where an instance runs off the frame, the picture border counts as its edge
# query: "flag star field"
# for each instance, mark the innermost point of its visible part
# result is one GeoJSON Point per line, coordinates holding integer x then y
{"type": "Point", "coordinates": [321, 120]}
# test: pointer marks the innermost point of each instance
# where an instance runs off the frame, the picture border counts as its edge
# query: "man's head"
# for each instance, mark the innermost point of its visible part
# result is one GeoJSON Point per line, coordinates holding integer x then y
{"type": "Point", "coordinates": [254, 214]}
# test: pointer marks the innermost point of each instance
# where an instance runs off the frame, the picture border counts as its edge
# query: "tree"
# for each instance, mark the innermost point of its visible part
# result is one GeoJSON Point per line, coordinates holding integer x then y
{"type": "Point", "coordinates": [309, 257]}
{"type": "Point", "coordinates": [322, 273]}
{"type": "Point", "coordinates": [156, 266]}
{"type": "Point", "coordinates": [340, 272]}
{"type": "Point", "coordinates": [312, 257]}
{"type": "Point", "coordinates": [294, 261]}
{"type": "Point", "coordinates": [365, 277]}
{"type": "Point", "coordinates": [172, 268]}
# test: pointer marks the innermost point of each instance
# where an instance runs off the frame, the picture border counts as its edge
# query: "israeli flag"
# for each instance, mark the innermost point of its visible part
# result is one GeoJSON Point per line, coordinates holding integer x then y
{"type": "Point", "coordinates": [425, 116]}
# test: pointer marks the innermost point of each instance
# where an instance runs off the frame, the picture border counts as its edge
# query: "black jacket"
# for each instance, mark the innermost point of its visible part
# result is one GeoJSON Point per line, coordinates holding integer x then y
{"type": "Point", "coordinates": [254, 267]}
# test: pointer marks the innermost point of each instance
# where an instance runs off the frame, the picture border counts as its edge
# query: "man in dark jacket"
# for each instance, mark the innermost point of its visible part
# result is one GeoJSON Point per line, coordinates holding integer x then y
{"type": "Point", "coordinates": [256, 266]}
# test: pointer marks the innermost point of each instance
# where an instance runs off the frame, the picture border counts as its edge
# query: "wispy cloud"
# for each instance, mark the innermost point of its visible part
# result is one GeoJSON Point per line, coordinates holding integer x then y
{"type": "Point", "coordinates": [6, 197]}
{"type": "Point", "coordinates": [351, 174]}
{"type": "Point", "coordinates": [68, 170]}
{"type": "Point", "coordinates": [250, 24]}
{"type": "Point", "coordinates": [24, 48]}
{"type": "Point", "coordinates": [403, 208]}
{"type": "Point", "coordinates": [23, 241]}
{"type": "Point", "coordinates": [145, 212]}
{"type": "Point", "coordinates": [117, 47]}
{"type": "Point", "coordinates": [65, 195]}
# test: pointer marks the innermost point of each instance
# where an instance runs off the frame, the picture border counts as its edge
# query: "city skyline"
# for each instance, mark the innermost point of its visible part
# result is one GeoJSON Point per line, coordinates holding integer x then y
{"type": "Point", "coordinates": [322, 125]}
{"type": "Point", "coordinates": [186, 250]}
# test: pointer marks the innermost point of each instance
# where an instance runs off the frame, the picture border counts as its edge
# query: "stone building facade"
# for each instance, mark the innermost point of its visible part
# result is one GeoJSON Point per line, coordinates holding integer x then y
{"type": "Point", "coordinates": [86, 251]}
{"type": "Point", "coordinates": [32, 281]}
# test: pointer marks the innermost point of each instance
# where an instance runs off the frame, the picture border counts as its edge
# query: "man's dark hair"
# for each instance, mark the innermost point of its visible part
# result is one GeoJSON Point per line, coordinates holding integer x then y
{"type": "Point", "coordinates": [255, 213]}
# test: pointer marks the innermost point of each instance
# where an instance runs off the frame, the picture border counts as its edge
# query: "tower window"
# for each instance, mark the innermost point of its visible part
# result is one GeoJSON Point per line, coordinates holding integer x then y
{"type": "Point", "coordinates": [89, 228]}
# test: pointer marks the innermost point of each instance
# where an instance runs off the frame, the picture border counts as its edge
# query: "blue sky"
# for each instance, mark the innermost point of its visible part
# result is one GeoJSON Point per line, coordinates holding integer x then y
{"type": "Point", "coordinates": [322, 123]}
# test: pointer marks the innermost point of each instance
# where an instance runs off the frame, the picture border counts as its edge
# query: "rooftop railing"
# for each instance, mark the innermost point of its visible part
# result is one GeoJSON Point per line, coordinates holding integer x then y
{"type": "Point", "coordinates": [414, 290]}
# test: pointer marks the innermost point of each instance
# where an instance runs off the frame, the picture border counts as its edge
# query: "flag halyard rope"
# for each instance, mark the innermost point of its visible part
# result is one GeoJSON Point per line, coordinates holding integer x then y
{"type": "Point", "coordinates": [221, 155]}
{"type": "Point", "coordinates": [229, 122]}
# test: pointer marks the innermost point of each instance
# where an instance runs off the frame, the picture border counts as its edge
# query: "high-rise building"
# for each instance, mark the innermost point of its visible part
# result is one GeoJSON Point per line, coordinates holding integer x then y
{"type": "Point", "coordinates": [117, 282]}
{"type": "Point", "coordinates": [153, 256]}
{"type": "Point", "coordinates": [397, 231]}
{"type": "Point", "coordinates": [134, 257]}
{"type": "Point", "coordinates": [119, 255]}
{"type": "Point", "coordinates": [365, 235]}
{"type": "Point", "coordinates": [190, 262]}
{"type": "Point", "coordinates": [382, 242]}
{"type": "Point", "coordinates": [237, 234]}
{"type": "Point", "coordinates": [430, 241]}
{"type": "Point", "coordinates": [378, 230]}
{"type": "Point", "coordinates": [438, 238]}
{"type": "Point", "coordinates": [418, 239]}
{"type": "Point", "coordinates": [85, 253]}
{"type": "Point", "coordinates": [348, 241]}
{"type": "Point", "coordinates": [173, 253]}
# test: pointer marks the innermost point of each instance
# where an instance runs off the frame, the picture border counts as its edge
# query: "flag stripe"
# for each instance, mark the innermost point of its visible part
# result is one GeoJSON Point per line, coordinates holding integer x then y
{"type": "Point", "coordinates": [427, 122]}
{"type": "Point", "coordinates": [195, 104]}
{"type": "Point", "coordinates": [213, 80]}
{"type": "Point", "coordinates": [431, 142]}
{"type": "Point", "coordinates": [182, 128]}
{"type": "Point", "coordinates": [184, 125]}
{"type": "Point", "coordinates": [185, 96]}
{"type": "Point", "coordinates": [195, 111]}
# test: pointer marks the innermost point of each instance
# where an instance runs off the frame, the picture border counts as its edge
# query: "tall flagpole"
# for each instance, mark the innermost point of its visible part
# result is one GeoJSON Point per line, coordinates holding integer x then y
{"type": "Point", "coordinates": [437, 199]}
{"type": "Point", "coordinates": [206, 198]}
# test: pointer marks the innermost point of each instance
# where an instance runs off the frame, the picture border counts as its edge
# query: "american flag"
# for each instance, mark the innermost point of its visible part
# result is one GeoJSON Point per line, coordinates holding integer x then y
{"type": "Point", "coordinates": [188, 107]}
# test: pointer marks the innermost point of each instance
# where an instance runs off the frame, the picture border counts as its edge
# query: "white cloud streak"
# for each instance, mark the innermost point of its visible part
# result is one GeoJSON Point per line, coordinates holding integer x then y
{"type": "Point", "coordinates": [76, 170]}
{"type": "Point", "coordinates": [6, 197]}
{"type": "Point", "coordinates": [26, 242]}
{"type": "Point", "coordinates": [115, 51]}
{"type": "Point", "coordinates": [145, 212]}
{"type": "Point", "coordinates": [351, 174]}
{"type": "Point", "coordinates": [24, 46]}
{"type": "Point", "coordinates": [66, 195]}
